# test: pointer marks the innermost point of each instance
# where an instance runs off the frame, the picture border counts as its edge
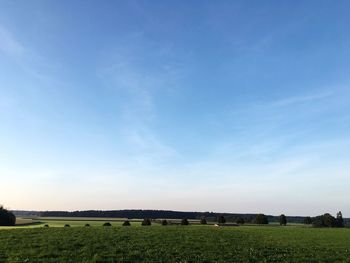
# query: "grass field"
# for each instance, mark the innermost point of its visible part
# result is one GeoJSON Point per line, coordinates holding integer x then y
{"type": "Point", "coordinates": [35, 222]}
{"type": "Point", "coordinates": [174, 244]}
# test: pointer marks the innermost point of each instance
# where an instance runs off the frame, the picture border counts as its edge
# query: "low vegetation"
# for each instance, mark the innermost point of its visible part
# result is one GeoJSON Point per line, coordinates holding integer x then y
{"type": "Point", "coordinates": [240, 221]}
{"type": "Point", "coordinates": [203, 221]}
{"type": "Point", "coordinates": [126, 223]}
{"type": "Point", "coordinates": [67, 240]}
{"type": "Point", "coordinates": [221, 220]}
{"type": "Point", "coordinates": [175, 244]}
{"type": "Point", "coordinates": [185, 222]}
{"type": "Point", "coordinates": [146, 222]}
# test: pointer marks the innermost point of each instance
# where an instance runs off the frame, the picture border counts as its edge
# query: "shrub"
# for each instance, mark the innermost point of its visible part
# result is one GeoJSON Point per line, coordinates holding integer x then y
{"type": "Point", "coordinates": [261, 219]}
{"type": "Point", "coordinates": [46, 225]}
{"type": "Point", "coordinates": [146, 222]}
{"type": "Point", "coordinates": [184, 222]}
{"type": "Point", "coordinates": [203, 221]}
{"type": "Point", "coordinates": [87, 225]}
{"type": "Point", "coordinates": [283, 220]}
{"type": "Point", "coordinates": [164, 222]}
{"type": "Point", "coordinates": [66, 225]}
{"type": "Point", "coordinates": [6, 217]}
{"type": "Point", "coordinates": [221, 220]}
{"type": "Point", "coordinates": [240, 221]}
{"type": "Point", "coordinates": [126, 223]}
{"type": "Point", "coordinates": [107, 224]}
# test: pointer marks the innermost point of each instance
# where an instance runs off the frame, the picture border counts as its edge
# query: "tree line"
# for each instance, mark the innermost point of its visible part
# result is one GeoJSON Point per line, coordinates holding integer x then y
{"type": "Point", "coordinates": [8, 218]}
{"type": "Point", "coordinates": [154, 214]}
{"type": "Point", "coordinates": [326, 220]}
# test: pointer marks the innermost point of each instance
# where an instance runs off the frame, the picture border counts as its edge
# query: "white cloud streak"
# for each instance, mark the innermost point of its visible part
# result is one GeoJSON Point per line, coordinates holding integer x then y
{"type": "Point", "coordinates": [27, 58]}
{"type": "Point", "coordinates": [135, 88]}
{"type": "Point", "coordinates": [9, 44]}
{"type": "Point", "coordinates": [302, 99]}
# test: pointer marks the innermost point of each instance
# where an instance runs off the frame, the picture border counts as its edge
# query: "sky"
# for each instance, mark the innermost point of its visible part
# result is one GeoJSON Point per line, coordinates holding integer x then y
{"type": "Point", "coordinates": [224, 106]}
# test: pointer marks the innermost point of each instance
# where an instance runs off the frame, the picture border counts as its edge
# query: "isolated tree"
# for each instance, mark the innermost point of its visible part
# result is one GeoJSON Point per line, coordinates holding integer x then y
{"type": "Point", "coordinates": [203, 221]}
{"type": "Point", "coordinates": [7, 218]}
{"type": "Point", "coordinates": [221, 220]}
{"type": "Point", "coordinates": [126, 223]}
{"type": "Point", "coordinates": [261, 219]}
{"type": "Point", "coordinates": [340, 220]}
{"type": "Point", "coordinates": [184, 222]}
{"type": "Point", "coordinates": [107, 224]}
{"type": "Point", "coordinates": [164, 222]}
{"type": "Point", "coordinates": [307, 220]}
{"type": "Point", "coordinates": [240, 221]}
{"type": "Point", "coordinates": [329, 220]}
{"type": "Point", "coordinates": [66, 225]}
{"type": "Point", "coordinates": [87, 225]}
{"type": "Point", "coordinates": [283, 220]}
{"type": "Point", "coordinates": [146, 222]}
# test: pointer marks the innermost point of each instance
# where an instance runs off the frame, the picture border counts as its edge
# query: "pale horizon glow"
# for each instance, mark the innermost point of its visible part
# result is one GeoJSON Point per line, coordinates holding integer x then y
{"type": "Point", "coordinates": [225, 106]}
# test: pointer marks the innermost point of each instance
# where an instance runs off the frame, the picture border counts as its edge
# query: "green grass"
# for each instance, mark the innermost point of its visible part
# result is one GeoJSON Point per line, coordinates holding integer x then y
{"type": "Point", "coordinates": [36, 222]}
{"type": "Point", "coordinates": [175, 244]}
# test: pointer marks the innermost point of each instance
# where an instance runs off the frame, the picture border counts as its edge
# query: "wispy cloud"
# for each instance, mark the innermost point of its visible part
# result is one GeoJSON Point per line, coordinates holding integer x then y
{"type": "Point", "coordinates": [135, 86]}
{"type": "Point", "coordinates": [9, 44]}
{"type": "Point", "coordinates": [301, 99]}
{"type": "Point", "coordinates": [27, 58]}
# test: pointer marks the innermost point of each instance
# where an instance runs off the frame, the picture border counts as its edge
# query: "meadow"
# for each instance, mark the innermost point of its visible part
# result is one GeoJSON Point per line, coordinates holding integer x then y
{"type": "Point", "coordinates": [194, 243]}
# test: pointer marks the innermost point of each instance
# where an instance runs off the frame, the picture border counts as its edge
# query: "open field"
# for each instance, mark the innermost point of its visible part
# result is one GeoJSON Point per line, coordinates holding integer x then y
{"type": "Point", "coordinates": [175, 244]}
{"type": "Point", "coordinates": [35, 222]}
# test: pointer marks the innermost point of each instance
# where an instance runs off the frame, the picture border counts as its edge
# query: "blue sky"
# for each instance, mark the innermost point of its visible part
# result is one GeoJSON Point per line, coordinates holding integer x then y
{"type": "Point", "coordinates": [236, 106]}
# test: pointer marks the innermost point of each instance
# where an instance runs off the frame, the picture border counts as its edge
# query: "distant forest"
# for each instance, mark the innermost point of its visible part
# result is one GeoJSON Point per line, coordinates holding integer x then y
{"type": "Point", "coordinates": [155, 214]}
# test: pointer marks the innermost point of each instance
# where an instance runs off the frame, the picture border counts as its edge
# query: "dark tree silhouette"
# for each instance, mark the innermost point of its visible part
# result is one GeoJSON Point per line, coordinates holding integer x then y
{"type": "Point", "coordinates": [87, 225]}
{"type": "Point", "coordinates": [164, 222]}
{"type": "Point", "coordinates": [126, 223]}
{"type": "Point", "coordinates": [307, 220]}
{"type": "Point", "coordinates": [203, 221]}
{"type": "Point", "coordinates": [261, 219]}
{"type": "Point", "coordinates": [283, 220]}
{"type": "Point", "coordinates": [156, 214]}
{"type": "Point", "coordinates": [340, 220]}
{"type": "Point", "coordinates": [66, 225]}
{"type": "Point", "coordinates": [326, 220]}
{"type": "Point", "coordinates": [221, 220]}
{"type": "Point", "coordinates": [240, 221]}
{"type": "Point", "coordinates": [146, 222]}
{"type": "Point", "coordinates": [107, 224]}
{"type": "Point", "coordinates": [184, 222]}
{"type": "Point", "coordinates": [7, 218]}
{"type": "Point", "coordinates": [329, 220]}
